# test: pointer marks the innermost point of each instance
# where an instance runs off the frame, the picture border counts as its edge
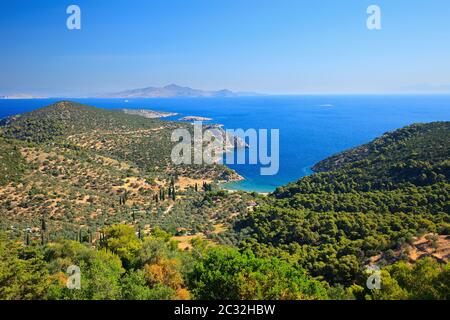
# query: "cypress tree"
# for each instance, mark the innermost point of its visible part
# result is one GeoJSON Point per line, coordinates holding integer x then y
{"type": "Point", "coordinates": [43, 223]}
{"type": "Point", "coordinates": [43, 229]}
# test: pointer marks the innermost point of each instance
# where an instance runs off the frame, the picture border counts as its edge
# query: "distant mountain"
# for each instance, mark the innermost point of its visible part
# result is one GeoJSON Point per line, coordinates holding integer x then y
{"type": "Point", "coordinates": [174, 91]}
{"type": "Point", "coordinates": [22, 96]}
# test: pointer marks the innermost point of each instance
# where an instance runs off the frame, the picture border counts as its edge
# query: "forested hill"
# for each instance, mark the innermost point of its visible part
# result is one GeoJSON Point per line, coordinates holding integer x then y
{"type": "Point", "coordinates": [131, 138]}
{"type": "Point", "coordinates": [371, 200]}
{"type": "Point", "coordinates": [420, 142]}
{"type": "Point", "coordinates": [417, 155]}
{"type": "Point", "coordinates": [85, 167]}
{"type": "Point", "coordinates": [66, 118]}
{"type": "Point", "coordinates": [143, 142]}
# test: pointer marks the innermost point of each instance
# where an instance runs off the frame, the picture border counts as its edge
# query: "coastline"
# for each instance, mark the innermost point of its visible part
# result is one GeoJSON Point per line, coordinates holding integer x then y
{"type": "Point", "coordinates": [303, 144]}
{"type": "Point", "coordinates": [223, 186]}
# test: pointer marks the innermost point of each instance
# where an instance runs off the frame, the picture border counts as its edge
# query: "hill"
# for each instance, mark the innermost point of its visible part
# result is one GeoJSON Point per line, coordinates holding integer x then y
{"type": "Point", "coordinates": [368, 200]}
{"type": "Point", "coordinates": [12, 164]}
{"type": "Point", "coordinates": [417, 155]}
{"type": "Point", "coordinates": [419, 142]}
{"type": "Point", "coordinates": [82, 167]}
{"type": "Point", "coordinates": [141, 141]}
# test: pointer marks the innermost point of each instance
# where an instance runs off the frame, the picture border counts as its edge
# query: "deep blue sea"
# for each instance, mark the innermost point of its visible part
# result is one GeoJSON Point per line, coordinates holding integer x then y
{"type": "Point", "coordinates": [311, 127]}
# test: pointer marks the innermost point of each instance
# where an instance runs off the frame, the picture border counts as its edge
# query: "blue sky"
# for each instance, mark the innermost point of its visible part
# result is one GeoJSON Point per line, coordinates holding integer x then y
{"type": "Point", "coordinates": [277, 46]}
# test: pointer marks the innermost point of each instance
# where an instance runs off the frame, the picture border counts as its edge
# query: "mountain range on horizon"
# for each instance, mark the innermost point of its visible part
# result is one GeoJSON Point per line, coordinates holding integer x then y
{"type": "Point", "coordinates": [169, 91]}
{"type": "Point", "coordinates": [174, 91]}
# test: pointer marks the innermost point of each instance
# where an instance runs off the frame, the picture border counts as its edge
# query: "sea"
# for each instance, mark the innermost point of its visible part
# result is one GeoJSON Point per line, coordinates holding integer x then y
{"type": "Point", "coordinates": [311, 127]}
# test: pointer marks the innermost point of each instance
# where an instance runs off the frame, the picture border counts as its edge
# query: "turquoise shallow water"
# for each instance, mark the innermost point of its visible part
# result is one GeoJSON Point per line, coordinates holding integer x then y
{"type": "Point", "coordinates": [311, 127]}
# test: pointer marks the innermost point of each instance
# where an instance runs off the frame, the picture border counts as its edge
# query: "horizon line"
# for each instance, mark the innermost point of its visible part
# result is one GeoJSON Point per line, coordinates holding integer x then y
{"type": "Point", "coordinates": [258, 95]}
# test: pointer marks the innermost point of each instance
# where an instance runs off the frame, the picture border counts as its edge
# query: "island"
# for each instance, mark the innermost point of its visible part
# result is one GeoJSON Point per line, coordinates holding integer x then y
{"type": "Point", "coordinates": [195, 118]}
{"type": "Point", "coordinates": [151, 114]}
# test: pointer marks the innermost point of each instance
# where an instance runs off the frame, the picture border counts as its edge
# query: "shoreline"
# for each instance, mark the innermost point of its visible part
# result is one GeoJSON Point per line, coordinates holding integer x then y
{"type": "Point", "coordinates": [223, 186]}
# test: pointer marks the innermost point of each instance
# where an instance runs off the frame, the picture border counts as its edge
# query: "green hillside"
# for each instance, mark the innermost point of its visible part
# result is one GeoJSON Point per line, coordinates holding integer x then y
{"type": "Point", "coordinates": [96, 188]}
{"type": "Point", "coordinates": [418, 155]}
{"type": "Point", "coordinates": [88, 167]}
{"type": "Point", "coordinates": [12, 164]}
{"type": "Point", "coordinates": [369, 200]}
{"type": "Point", "coordinates": [66, 118]}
